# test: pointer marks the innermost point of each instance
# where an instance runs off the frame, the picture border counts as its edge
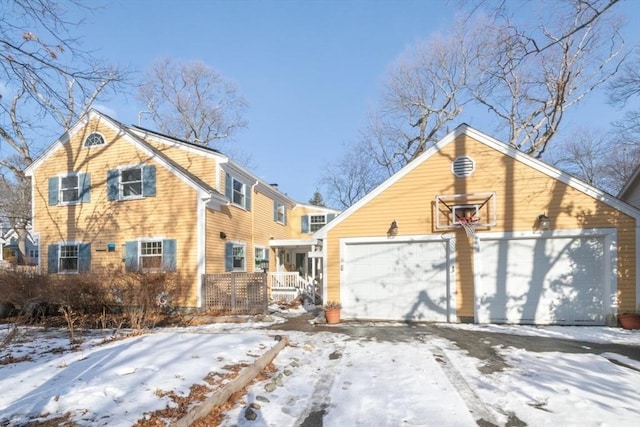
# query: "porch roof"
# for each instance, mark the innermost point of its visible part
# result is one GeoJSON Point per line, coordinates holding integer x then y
{"type": "Point", "coordinates": [292, 243]}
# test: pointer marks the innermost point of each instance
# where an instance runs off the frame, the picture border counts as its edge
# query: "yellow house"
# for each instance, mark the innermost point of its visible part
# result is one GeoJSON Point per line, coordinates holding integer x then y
{"type": "Point", "coordinates": [111, 196]}
{"type": "Point", "coordinates": [475, 231]}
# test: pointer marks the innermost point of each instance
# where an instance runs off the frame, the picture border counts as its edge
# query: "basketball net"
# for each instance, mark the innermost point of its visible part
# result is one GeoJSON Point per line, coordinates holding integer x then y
{"type": "Point", "coordinates": [469, 225]}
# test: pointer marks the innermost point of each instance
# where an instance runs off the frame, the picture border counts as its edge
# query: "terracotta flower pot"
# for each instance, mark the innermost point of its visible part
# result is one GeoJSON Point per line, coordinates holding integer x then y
{"type": "Point", "coordinates": [332, 315]}
{"type": "Point", "coordinates": [629, 320]}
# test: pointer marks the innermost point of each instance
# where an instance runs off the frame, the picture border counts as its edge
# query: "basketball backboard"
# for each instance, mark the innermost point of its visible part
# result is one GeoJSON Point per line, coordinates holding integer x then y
{"type": "Point", "coordinates": [477, 207]}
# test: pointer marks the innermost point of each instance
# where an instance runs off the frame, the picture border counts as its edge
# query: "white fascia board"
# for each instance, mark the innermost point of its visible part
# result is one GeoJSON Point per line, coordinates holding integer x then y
{"type": "Point", "coordinates": [171, 142]}
{"type": "Point", "coordinates": [553, 172]}
{"type": "Point", "coordinates": [265, 188]}
{"type": "Point", "coordinates": [322, 233]}
{"type": "Point", "coordinates": [319, 209]}
{"type": "Point", "coordinates": [631, 183]}
{"type": "Point", "coordinates": [64, 139]}
{"type": "Point", "coordinates": [292, 242]}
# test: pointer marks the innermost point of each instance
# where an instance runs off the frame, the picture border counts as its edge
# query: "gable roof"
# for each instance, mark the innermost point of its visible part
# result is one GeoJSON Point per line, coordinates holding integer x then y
{"type": "Point", "coordinates": [632, 183]}
{"type": "Point", "coordinates": [464, 129]}
{"type": "Point", "coordinates": [136, 135]}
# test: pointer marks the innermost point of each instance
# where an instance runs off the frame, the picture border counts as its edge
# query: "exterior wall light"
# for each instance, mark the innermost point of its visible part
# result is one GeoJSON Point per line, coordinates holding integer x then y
{"type": "Point", "coordinates": [223, 235]}
{"type": "Point", "coordinates": [393, 228]}
{"type": "Point", "coordinates": [544, 223]}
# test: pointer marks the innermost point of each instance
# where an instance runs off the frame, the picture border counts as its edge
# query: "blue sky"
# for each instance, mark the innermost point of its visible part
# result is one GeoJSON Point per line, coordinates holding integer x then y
{"type": "Point", "coordinates": [310, 70]}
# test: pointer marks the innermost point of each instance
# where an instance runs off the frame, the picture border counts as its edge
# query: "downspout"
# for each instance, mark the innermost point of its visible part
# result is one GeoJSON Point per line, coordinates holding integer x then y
{"type": "Point", "coordinates": [253, 223]}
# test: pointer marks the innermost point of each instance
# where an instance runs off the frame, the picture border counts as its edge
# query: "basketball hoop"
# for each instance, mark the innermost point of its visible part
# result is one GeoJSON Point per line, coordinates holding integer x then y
{"type": "Point", "coordinates": [469, 225]}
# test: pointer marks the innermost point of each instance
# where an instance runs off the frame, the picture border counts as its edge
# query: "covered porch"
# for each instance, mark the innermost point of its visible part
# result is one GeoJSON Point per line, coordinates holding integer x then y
{"type": "Point", "coordinates": [298, 269]}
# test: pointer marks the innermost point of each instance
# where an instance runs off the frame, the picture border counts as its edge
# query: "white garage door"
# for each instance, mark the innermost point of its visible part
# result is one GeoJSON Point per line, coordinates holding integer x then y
{"type": "Point", "coordinates": [395, 280]}
{"type": "Point", "coordinates": [560, 280]}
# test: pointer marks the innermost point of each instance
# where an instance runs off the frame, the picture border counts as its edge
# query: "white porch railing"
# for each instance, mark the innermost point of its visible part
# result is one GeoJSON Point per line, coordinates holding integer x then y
{"type": "Point", "coordinates": [287, 285]}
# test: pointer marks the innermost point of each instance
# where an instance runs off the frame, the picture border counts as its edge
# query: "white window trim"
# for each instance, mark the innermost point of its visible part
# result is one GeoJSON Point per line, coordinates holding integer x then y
{"type": "Point", "coordinates": [77, 245]}
{"type": "Point", "coordinates": [311, 224]}
{"type": "Point", "coordinates": [284, 212]}
{"type": "Point", "coordinates": [140, 255]}
{"type": "Point", "coordinates": [104, 141]}
{"type": "Point", "coordinates": [243, 205]}
{"type": "Point", "coordinates": [265, 250]}
{"type": "Point", "coordinates": [60, 198]}
{"type": "Point", "coordinates": [121, 169]}
{"type": "Point", "coordinates": [244, 251]}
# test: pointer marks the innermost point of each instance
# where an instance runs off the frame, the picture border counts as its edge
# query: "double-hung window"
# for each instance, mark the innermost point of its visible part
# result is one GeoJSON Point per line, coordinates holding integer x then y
{"type": "Point", "coordinates": [316, 222]}
{"type": "Point", "coordinates": [261, 259]}
{"type": "Point", "coordinates": [313, 223]}
{"type": "Point", "coordinates": [279, 212]}
{"type": "Point", "coordinates": [131, 182]}
{"type": "Point", "coordinates": [235, 257]}
{"type": "Point", "coordinates": [151, 255]}
{"type": "Point", "coordinates": [237, 192]}
{"type": "Point", "coordinates": [69, 189]}
{"type": "Point", "coordinates": [69, 258]}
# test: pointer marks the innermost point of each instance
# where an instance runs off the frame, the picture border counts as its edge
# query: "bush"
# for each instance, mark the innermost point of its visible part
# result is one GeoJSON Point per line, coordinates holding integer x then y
{"type": "Point", "coordinates": [138, 300]}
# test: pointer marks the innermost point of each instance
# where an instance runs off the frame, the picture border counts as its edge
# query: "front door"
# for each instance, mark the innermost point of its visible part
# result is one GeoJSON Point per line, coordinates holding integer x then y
{"type": "Point", "coordinates": [301, 262]}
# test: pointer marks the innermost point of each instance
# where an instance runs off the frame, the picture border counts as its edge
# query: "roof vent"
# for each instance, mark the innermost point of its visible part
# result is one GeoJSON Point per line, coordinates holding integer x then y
{"type": "Point", "coordinates": [463, 166]}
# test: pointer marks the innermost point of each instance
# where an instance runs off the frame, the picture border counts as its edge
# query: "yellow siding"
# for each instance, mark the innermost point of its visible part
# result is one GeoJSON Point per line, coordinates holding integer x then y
{"type": "Point", "coordinates": [295, 222]}
{"type": "Point", "coordinates": [522, 193]}
{"type": "Point", "coordinates": [201, 165]}
{"type": "Point", "coordinates": [171, 214]}
{"type": "Point", "coordinates": [252, 228]}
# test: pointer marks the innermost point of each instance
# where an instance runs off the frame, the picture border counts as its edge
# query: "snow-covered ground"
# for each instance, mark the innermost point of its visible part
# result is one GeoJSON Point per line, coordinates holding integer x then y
{"type": "Point", "coordinates": [345, 381]}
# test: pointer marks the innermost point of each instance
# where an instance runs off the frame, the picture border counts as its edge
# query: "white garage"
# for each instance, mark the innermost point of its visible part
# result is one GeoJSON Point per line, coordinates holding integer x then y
{"type": "Point", "coordinates": [397, 279]}
{"type": "Point", "coordinates": [554, 278]}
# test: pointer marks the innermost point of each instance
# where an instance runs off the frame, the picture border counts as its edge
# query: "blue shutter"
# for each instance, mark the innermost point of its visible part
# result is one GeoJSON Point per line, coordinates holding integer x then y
{"type": "Point", "coordinates": [52, 259]}
{"type": "Point", "coordinates": [305, 223]}
{"type": "Point", "coordinates": [169, 262]}
{"type": "Point", "coordinates": [84, 257]}
{"type": "Point", "coordinates": [285, 214]}
{"type": "Point", "coordinates": [227, 186]}
{"type": "Point", "coordinates": [149, 181]}
{"type": "Point", "coordinates": [53, 191]}
{"type": "Point", "coordinates": [330, 217]}
{"type": "Point", "coordinates": [131, 256]}
{"type": "Point", "coordinates": [266, 254]}
{"type": "Point", "coordinates": [247, 199]}
{"type": "Point", "coordinates": [112, 184]}
{"type": "Point", "coordinates": [84, 180]}
{"type": "Point", "coordinates": [275, 211]}
{"type": "Point", "coordinates": [228, 257]}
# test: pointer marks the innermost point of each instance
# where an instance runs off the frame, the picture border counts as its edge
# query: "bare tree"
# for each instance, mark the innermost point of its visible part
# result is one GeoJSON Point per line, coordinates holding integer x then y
{"type": "Point", "coordinates": [48, 80]}
{"type": "Point", "coordinates": [193, 102]}
{"type": "Point", "coordinates": [625, 90]}
{"type": "Point", "coordinates": [352, 177]}
{"type": "Point", "coordinates": [424, 92]}
{"type": "Point", "coordinates": [531, 74]}
{"type": "Point", "coordinates": [524, 73]}
{"type": "Point", "coordinates": [595, 157]}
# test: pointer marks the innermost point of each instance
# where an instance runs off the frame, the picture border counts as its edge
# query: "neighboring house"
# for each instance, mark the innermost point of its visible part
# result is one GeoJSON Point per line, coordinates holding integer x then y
{"type": "Point", "coordinates": [630, 193]}
{"type": "Point", "coordinates": [548, 248]}
{"type": "Point", "coordinates": [9, 247]}
{"type": "Point", "coordinates": [111, 196]}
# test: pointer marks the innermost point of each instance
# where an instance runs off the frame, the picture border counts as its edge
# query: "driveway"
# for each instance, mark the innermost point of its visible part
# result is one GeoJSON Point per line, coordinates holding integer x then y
{"type": "Point", "coordinates": [575, 372]}
{"type": "Point", "coordinates": [481, 345]}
